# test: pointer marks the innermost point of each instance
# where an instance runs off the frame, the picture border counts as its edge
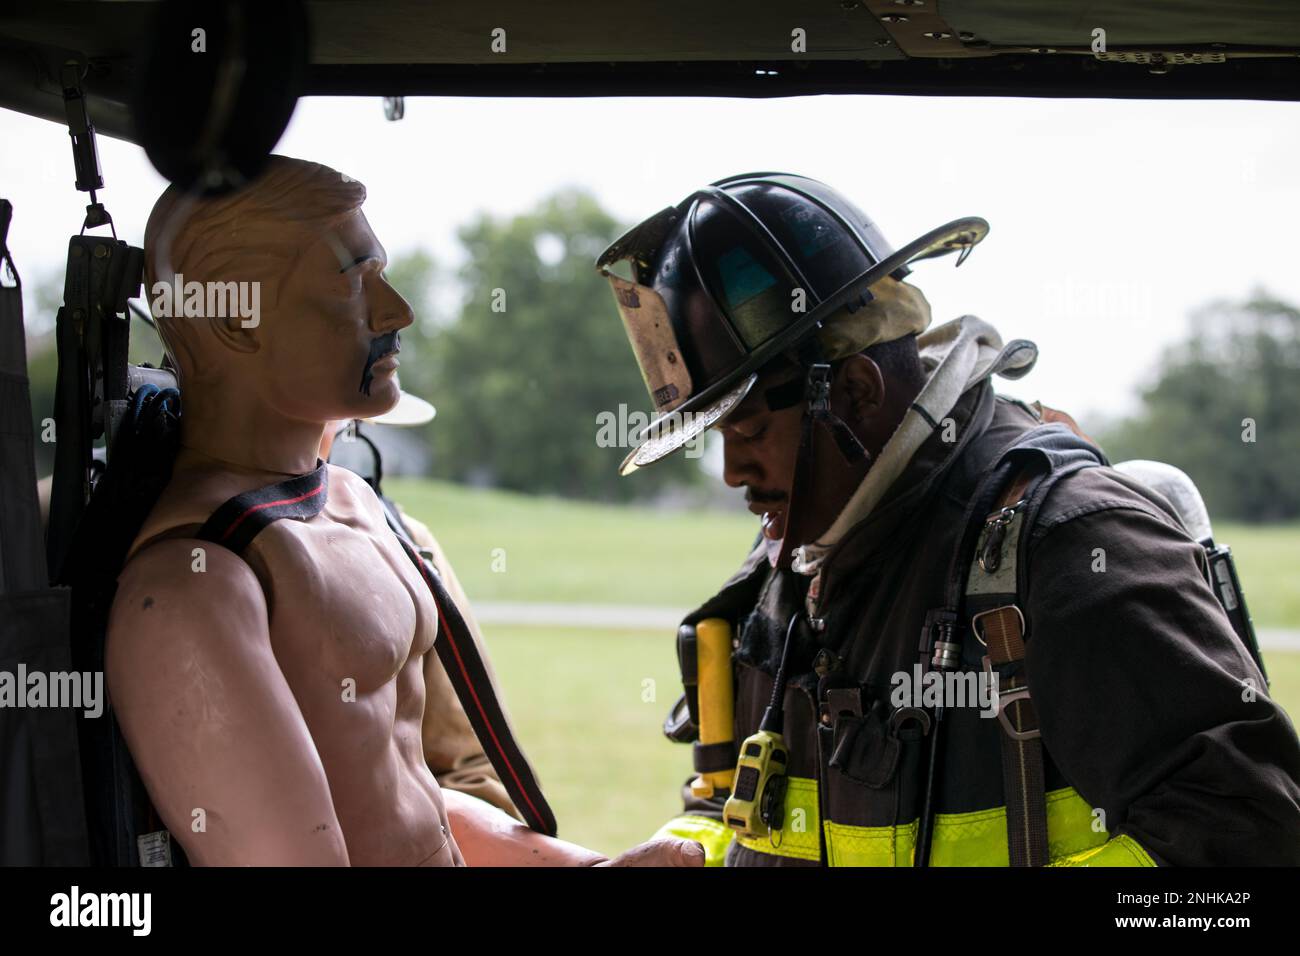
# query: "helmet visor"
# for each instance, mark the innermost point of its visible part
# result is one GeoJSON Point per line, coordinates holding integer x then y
{"type": "Point", "coordinates": [645, 318]}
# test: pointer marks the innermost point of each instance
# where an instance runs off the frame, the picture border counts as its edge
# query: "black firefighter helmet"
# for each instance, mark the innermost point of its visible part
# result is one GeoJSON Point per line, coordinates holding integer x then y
{"type": "Point", "coordinates": [741, 273]}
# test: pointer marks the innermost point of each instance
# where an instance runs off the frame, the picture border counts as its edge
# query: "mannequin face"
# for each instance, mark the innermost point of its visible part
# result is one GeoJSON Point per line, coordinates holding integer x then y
{"type": "Point", "coordinates": [335, 319]}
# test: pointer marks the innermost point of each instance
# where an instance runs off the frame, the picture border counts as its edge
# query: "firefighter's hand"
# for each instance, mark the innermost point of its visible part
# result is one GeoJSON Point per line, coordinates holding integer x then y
{"type": "Point", "coordinates": [666, 851]}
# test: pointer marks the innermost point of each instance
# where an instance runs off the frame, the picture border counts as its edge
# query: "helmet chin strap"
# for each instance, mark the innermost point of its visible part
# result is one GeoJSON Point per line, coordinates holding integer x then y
{"type": "Point", "coordinates": [817, 417]}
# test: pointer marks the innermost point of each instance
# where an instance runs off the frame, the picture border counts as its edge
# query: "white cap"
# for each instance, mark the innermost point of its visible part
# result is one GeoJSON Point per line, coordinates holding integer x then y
{"type": "Point", "coordinates": [408, 411]}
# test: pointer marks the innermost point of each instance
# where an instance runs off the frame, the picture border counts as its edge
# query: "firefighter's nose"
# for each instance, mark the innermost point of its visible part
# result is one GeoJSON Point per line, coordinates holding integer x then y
{"type": "Point", "coordinates": [739, 466]}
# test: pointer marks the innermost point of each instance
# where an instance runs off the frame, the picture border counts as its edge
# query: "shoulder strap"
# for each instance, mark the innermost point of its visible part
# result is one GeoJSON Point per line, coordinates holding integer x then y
{"type": "Point", "coordinates": [236, 523]}
{"type": "Point", "coordinates": [994, 581]}
{"type": "Point", "coordinates": [999, 625]}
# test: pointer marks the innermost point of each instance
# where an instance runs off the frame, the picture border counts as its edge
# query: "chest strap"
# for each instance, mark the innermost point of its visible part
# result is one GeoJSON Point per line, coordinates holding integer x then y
{"type": "Point", "coordinates": [236, 523]}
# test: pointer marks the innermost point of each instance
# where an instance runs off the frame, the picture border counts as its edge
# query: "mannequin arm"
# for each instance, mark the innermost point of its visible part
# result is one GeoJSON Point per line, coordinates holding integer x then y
{"type": "Point", "coordinates": [209, 717]}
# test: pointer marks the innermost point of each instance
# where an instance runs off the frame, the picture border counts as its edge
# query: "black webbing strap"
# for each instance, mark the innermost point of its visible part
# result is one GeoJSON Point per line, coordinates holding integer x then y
{"type": "Point", "coordinates": [460, 657]}
{"type": "Point", "coordinates": [236, 523]}
{"type": "Point", "coordinates": [711, 758]}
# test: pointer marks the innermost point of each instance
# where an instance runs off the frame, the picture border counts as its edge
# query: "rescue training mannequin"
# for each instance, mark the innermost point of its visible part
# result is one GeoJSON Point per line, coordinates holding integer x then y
{"type": "Point", "coordinates": [274, 699]}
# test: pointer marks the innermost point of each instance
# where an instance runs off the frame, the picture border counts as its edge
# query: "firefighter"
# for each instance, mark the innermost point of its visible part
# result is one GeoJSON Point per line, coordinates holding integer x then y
{"type": "Point", "coordinates": [921, 532]}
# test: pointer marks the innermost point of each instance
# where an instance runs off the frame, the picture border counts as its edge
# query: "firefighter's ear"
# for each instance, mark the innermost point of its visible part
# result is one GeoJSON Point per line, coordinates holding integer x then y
{"type": "Point", "coordinates": [861, 386]}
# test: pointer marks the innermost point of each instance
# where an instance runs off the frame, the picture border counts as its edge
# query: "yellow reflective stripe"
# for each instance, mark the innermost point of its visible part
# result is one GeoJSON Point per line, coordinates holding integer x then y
{"type": "Point", "coordinates": [713, 835]}
{"type": "Point", "coordinates": [798, 839]}
{"type": "Point", "coordinates": [1121, 851]}
{"type": "Point", "coordinates": [847, 845]}
{"type": "Point", "coordinates": [978, 838]}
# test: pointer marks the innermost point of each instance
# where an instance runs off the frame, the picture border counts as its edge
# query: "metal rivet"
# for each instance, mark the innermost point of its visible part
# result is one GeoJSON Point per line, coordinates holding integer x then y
{"type": "Point", "coordinates": [938, 35]}
{"type": "Point", "coordinates": [909, 3]}
{"type": "Point", "coordinates": [76, 252]}
{"type": "Point", "coordinates": [894, 18]}
{"type": "Point", "coordinates": [1043, 49]}
{"type": "Point", "coordinates": [965, 37]}
{"type": "Point", "coordinates": [885, 42]}
{"type": "Point", "coordinates": [101, 251]}
{"type": "Point", "coordinates": [818, 624]}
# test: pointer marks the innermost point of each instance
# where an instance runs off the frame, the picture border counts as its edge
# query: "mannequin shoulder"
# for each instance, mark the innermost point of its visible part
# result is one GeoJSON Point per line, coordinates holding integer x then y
{"type": "Point", "coordinates": [186, 599]}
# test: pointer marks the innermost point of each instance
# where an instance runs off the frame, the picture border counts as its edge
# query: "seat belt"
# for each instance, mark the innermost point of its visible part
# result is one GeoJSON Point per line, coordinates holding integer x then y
{"type": "Point", "coordinates": [237, 522]}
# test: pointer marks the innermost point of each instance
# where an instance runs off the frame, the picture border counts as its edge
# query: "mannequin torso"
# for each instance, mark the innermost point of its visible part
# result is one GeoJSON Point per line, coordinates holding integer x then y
{"type": "Point", "coordinates": [348, 626]}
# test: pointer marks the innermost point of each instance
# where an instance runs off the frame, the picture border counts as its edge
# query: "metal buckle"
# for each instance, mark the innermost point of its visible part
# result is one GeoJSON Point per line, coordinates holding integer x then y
{"type": "Point", "coordinates": [1006, 697]}
{"type": "Point", "coordinates": [995, 526]}
{"type": "Point", "coordinates": [975, 620]}
{"type": "Point", "coordinates": [819, 387]}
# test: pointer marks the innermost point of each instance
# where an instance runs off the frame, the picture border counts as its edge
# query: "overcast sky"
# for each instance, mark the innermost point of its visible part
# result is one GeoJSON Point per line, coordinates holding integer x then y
{"type": "Point", "coordinates": [1111, 220]}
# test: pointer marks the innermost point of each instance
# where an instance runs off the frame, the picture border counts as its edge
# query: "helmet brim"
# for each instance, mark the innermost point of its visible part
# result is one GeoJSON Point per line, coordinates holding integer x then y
{"type": "Point", "coordinates": [672, 430]}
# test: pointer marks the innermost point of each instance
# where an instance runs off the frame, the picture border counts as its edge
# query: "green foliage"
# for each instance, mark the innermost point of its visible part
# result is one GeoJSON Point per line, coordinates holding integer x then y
{"type": "Point", "coordinates": [1240, 366]}
{"type": "Point", "coordinates": [536, 353]}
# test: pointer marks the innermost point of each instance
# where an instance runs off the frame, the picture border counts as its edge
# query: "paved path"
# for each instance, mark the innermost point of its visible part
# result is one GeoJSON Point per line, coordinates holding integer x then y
{"type": "Point", "coordinates": [639, 617]}
{"type": "Point", "coordinates": [616, 616]}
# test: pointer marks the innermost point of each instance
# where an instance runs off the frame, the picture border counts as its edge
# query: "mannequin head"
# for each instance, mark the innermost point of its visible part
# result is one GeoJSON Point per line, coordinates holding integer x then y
{"type": "Point", "coordinates": [277, 291]}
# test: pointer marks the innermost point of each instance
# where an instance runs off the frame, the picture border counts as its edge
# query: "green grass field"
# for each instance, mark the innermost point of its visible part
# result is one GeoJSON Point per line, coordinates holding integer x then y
{"type": "Point", "coordinates": [588, 704]}
{"type": "Point", "coordinates": [565, 552]}
{"type": "Point", "coordinates": [1268, 560]}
